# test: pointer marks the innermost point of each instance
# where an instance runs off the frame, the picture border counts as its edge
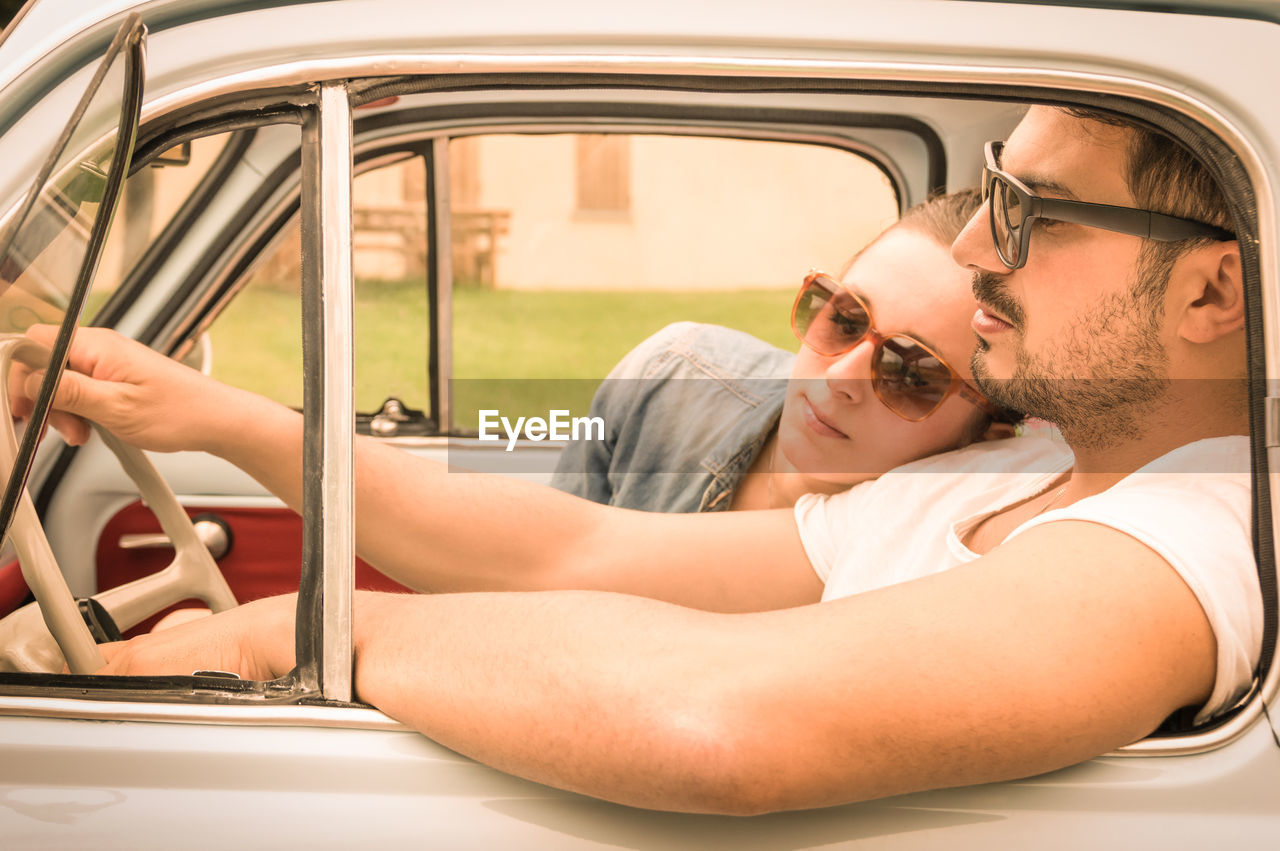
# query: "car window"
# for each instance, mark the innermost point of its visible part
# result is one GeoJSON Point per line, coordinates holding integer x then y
{"type": "Point", "coordinates": [51, 244]}
{"type": "Point", "coordinates": [256, 340]}
{"type": "Point", "coordinates": [565, 250]}
{"type": "Point", "coordinates": [153, 196]}
{"type": "Point", "coordinates": [569, 249]}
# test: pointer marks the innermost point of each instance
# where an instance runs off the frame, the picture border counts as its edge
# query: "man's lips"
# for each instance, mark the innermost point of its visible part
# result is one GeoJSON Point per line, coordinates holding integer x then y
{"type": "Point", "coordinates": [819, 424]}
{"type": "Point", "coordinates": [986, 322]}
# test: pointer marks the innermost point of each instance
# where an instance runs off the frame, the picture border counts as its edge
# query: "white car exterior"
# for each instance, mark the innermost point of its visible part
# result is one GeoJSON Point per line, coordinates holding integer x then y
{"type": "Point", "coordinates": [80, 767]}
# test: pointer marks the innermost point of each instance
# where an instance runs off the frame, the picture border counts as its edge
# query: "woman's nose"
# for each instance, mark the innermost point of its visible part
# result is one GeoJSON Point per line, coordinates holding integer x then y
{"type": "Point", "coordinates": [848, 375]}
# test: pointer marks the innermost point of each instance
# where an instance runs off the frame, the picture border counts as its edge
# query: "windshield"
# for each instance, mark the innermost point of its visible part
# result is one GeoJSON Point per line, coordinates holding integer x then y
{"type": "Point", "coordinates": [52, 241]}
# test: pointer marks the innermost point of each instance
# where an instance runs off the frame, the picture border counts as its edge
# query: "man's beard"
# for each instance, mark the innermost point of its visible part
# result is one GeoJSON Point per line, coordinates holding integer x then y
{"type": "Point", "coordinates": [1098, 381]}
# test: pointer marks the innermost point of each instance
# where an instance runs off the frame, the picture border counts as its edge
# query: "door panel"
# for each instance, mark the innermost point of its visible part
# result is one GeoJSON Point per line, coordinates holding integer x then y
{"type": "Point", "coordinates": [264, 558]}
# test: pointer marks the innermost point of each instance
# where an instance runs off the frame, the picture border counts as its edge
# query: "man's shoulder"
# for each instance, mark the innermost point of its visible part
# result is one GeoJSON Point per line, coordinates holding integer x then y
{"type": "Point", "coordinates": [1190, 509]}
{"type": "Point", "coordinates": [1229, 456]}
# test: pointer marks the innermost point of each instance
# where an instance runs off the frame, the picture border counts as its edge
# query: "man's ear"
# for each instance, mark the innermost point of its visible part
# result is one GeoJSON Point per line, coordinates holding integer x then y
{"type": "Point", "coordinates": [1209, 288]}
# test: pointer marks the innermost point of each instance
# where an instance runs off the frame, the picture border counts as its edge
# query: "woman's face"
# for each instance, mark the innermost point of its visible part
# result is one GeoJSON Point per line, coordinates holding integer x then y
{"type": "Point", "coordinates": [834, 430]}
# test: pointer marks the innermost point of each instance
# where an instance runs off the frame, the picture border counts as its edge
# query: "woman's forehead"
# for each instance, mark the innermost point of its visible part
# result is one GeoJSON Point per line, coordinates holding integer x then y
{"type": "Point", "coordinates": [914, 287]}
{"type": "Point", "coordinates": [910, 275]}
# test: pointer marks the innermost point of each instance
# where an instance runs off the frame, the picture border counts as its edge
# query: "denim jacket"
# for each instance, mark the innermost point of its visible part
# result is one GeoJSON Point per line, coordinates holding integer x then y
{"type": "Point", "coordinates": [685, 414]}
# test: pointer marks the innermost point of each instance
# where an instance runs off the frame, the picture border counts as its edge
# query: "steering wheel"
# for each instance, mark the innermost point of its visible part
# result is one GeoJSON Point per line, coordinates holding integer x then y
{"type": "Point", "coordinates": [40, 636]}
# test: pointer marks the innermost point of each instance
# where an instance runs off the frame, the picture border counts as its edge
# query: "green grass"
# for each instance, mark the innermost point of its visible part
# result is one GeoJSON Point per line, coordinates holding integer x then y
{"type": "Point", "coordinates": [501, 340]}
{"type": "Point", "coordinates": [257, 344]}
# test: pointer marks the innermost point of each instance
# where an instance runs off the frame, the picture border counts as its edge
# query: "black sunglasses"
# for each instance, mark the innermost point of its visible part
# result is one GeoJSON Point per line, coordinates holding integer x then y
{"type": "Point", "coordinates": [1011, 205]}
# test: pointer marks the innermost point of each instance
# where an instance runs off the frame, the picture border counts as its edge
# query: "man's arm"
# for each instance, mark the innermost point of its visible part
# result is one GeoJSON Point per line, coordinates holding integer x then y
{"type": "Point", "coordinates": [1067, 642]}
{"type": "Point", "coordinates": [427, 527]}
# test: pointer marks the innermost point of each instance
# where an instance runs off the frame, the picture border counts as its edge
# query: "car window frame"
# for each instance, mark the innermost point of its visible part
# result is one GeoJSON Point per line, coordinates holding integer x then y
{"type": "Point", "coordinates": [431, 142]}
{"type": "Point", "coordinates": [1221, 147]}
{"type": "Point", "coordinates": [128, 47]}
{"type": "Point", "coordinates": [1151, 744]}
{"type": "Point", "coordinates": [323, 630]}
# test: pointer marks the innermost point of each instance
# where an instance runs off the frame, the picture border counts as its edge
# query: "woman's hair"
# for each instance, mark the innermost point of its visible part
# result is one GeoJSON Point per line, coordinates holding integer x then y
{"type": "Point", "coordinates": [942, 216]}
{"type": "Point", "coordinates": [939, 217]}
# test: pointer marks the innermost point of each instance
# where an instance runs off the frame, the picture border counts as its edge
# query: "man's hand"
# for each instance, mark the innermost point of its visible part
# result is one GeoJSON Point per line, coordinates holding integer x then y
{"type": "Point", "coordinates": [135, 392]}
{"type": "Point", "coordinates": [255, 640]}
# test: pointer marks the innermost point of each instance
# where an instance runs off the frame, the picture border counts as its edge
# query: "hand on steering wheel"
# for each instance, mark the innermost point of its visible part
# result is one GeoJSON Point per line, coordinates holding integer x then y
{"type": "Point", "coordinates": [38, 637]}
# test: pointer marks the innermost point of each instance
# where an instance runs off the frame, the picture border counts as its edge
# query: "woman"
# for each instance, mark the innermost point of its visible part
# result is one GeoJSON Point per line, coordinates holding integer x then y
{"type": "Point", "coordinates": [704, 418]}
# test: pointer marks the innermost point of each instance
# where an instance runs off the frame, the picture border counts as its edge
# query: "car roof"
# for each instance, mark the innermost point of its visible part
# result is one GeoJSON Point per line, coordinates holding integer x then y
{"type": "Point", "coordinates": [41, 25]}
{"type": "Point", "coordinates": [287, 42]}
{"type": "Point", "coordinates": [1263, 10]}
{"type": "Point", "coordinates": [48, 21]}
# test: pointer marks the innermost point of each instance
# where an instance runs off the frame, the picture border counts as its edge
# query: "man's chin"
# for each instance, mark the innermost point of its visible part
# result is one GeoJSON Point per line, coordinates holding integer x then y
{"type": "Point", "coordinates": [988, 369]}
{"type": "Point", "coordinates": [995, 380]}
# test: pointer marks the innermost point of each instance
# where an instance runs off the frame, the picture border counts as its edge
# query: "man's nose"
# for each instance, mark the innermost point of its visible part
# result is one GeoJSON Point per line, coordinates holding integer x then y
{"type": "Point", "coordinates": [974, 248]}
{"type": "Point", "coordinates": [848, 376]}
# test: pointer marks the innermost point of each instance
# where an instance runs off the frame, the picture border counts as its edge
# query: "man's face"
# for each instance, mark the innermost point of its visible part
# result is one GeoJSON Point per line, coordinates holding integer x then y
{"type": "Point", "coordinates": [1067, 337]}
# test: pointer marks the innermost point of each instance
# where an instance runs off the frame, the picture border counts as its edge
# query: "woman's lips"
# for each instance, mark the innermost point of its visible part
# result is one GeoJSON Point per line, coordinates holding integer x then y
{"type": "Point", "coordinates": [819, 425]}
{"type": "Point", "coordinates": [988, 323]}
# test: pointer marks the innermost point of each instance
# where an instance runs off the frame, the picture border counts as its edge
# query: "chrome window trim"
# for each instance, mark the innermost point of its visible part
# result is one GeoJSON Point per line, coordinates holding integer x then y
{"type": "Point", "coordinates": [280, 715]}
{"type": "Point", "coordinates": [1010, 76]}
{"type": "Point", "coordinates": [338, 471]}
{"type": "Point", "coordinates": [441, 223]}
{"type": "Point", "coordinates": [328, 494]}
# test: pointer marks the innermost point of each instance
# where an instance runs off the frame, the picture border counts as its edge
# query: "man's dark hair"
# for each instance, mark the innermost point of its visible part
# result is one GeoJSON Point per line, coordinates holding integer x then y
{"type": "Point", "coordinates": [1165, 177]}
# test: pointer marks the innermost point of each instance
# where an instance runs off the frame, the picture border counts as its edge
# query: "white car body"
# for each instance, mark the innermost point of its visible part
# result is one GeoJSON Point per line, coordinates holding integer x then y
{"type": "Point", "coordinates": [78, 769]}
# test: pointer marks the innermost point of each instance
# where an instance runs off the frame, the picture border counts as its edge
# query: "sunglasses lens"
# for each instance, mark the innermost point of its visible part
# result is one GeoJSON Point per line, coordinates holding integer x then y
{"type": "Point", "coordinates": [828, 322]}
{"type": "Point", "coordinates": [1006, 219]}
{"type": "Point", "coordinates": [909, 379]}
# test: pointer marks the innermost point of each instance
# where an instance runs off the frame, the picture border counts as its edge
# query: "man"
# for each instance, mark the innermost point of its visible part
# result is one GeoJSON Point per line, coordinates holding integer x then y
{"type": "Point", "coordinates": [948, 650]}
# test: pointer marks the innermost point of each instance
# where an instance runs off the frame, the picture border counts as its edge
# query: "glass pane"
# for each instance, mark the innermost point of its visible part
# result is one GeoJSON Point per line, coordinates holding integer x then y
{"type": "Point", "coordinates": [257, 342]}
{"type": "Point", "coordinates": [43, 262]}
{"type": "Point", "coordinates": [152, 197]}
{"type": "Point", "coordinates": [393, 326]}
{"type": "Point", "coordinates": [570, 249]}
{"type": "Point", "coordinates": [50, 249]}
